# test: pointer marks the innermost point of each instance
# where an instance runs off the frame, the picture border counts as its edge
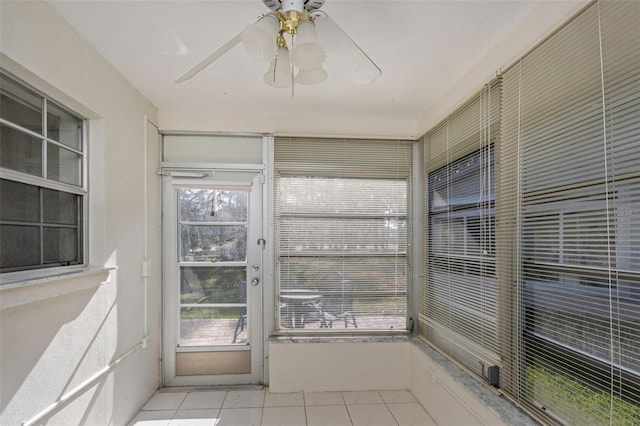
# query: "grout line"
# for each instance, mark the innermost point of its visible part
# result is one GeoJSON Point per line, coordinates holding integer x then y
{"type": "Point", "coordinates": [304, 406]}
{"type": "Point", "coordinates": [226, 394]}
{"type": "Point", "coordinates": [386, 404]}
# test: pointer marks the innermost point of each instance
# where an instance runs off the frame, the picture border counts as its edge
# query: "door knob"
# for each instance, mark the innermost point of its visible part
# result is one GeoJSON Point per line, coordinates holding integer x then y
{"type": "Point", "coordinates": [255, 281]}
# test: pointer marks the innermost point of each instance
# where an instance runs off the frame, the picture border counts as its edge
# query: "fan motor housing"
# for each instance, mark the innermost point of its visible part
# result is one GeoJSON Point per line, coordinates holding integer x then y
{"type": "Point", "coordinates": [298, 5]}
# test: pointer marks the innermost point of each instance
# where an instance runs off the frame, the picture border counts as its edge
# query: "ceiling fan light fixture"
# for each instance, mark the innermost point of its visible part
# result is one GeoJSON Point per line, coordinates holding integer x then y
{"type": "Point", "coordinates": [312, 76]}
{"type": "Point", "coordinates": [297, 5]}
{"type": "Point", "coordinates": [279, 73]}
{"type": "Point", "coordinates": [259, 38]}
{"type": "Point", "coordinates": [297, 20]}
{"type": "Point", "coordinates": [307, 53]}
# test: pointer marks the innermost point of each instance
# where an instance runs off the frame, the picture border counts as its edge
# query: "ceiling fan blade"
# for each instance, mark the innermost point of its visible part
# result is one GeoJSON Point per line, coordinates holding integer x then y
{"type": "Point", "coordinates": [210, 58]}
{"type": "Point", "coordinates": [358, 65]}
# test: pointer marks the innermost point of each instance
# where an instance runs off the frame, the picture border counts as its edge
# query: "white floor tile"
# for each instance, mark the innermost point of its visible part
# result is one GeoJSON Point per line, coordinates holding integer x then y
{"type": "Point", "coordinates": [323, 398]}
{"type": "Point", "coordinates": [240, 417]}
{"type": "Point", "coordinates": [165, 401]}
{"type": "Point", "coordinates": [410, 414]}
{"type": "Point", "coordinates": [203, 400]}
{"type": "Point", "coordinates": [260, 408]}
{"type": "Point", "coordinates": [152, 418]}
{"type": "Point", "coordinates": [371, 415]}
{"type": "Point", "coordinates": [366, 397]}
{"type": "Point", "coordinates": [283, 416]}
{"type": "Point", "coordinates": [244, 399]}
{"type": "Point", "coordinates": [328, 415]}
{"type": "Point", "coordinates": [195, 418]}
{"type": "Point", "coordinates": [395, 396]}
{"type": "Point", "coordinates": [284, 400]}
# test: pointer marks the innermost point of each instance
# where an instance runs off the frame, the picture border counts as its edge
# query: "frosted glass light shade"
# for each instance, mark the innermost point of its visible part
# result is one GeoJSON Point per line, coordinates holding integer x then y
{"type": "Point", "coordinates": [279, 72]}
{"type": "Point", "coordinates": [307, 53]}
{"type": "Point", "coordinates": [261, 38]}
{"type": "Point", "coordinates": [311, 77]}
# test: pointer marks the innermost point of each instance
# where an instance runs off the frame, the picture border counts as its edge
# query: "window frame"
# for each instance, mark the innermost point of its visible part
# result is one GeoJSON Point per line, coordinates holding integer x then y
{"type": "Point", "coordinates": [400, 253]}
{"type": "Point", "coordinates": [333, 158]}
{"type": "Point", "coordinates": [462, 265]}
{"type": "Point", "coordinates": [36, 273]}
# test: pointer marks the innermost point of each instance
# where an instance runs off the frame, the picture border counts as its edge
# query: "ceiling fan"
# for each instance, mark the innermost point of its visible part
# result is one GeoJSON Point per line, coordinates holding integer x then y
{"type": "Point", "coordinates": [293, 38]}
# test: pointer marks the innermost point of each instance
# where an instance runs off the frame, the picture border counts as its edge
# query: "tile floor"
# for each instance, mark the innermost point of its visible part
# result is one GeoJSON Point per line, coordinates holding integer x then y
{"type": "Point", "coordinates": [261, 408]}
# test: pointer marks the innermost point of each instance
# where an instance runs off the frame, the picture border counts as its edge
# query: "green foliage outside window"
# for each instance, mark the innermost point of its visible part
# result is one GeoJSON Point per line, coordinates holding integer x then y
{"type": "Point", "coordinates": [576, 403]}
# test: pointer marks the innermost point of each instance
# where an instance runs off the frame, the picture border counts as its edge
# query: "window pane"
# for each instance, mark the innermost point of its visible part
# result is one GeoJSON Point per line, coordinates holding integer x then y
{"type": "Point", "coordinates": [41, 227]}
{"type": "Point", "coordinates": [464, 182]}
{"type": "Point", "coordinates": [338, 292]}
{"type": "Point", "coordinates": [460, 302]}
{"type": "Point", "coordinates": [20, 106]}
{"type": "Point", "coordinates": [63, 127]}
{"type": "Point", "coordinates": [20, 151]}
{"type": "Point", "coordinates": [212, 326]}
{"type": "Point", "coordinates": [219, 243]}
{"type": "Point", "coordinates": [19, 202]}
{"type": "Point", "coordinates": [465, 233]}
{"type": "Point", "coordinates": [318, 194]}
{"type": "Point", "coordinates": [60, 207]}
{"type": "Point", "coordinates": [213, 285]}
{"type": "Point", "coordinates": [61, 245]}
{"type": "Point", "coordinates": [210, 205]}
{"type": "Point", "coordinates": [342, 253]}
{"type": "Point", "coordinates": [63, 166]}
{"type": "Point", "coordinates": [20, 246]}
{"type": "Point", "coordinates": [349, 236]}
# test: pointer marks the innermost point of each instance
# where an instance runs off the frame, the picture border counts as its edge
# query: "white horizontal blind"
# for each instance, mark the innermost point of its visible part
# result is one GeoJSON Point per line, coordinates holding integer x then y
{"type": "Point", "coordinates": [342, 222]}
{"type": "Point", "coordinates": [458, 307]}
{"type": "Point", "coordinates": [508, 237]}
{"type": "Point", "coordinates": [571, 117]}
{"type": "Point", "coordinates": [361, 158]}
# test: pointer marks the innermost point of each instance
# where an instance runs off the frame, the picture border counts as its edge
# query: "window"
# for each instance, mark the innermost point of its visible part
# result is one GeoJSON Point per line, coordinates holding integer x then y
{"type": "Point", "coordinates": [42, 187]}
{"type": "Point", "coordinates": [459, 301]}
{"type": "Point", "coordinates": [342, 223]}
{"type": "Point", "coordinates": [213, 226]}
{"type": "Point", "coordinates": [569, 220]}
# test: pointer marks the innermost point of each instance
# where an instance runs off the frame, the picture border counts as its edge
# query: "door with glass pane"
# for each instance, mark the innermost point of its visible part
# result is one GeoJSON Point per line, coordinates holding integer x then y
{"type": "Point", "coordinates": [212, 283]}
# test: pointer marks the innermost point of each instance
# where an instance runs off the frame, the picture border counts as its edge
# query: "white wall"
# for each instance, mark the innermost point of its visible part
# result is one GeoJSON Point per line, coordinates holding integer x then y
{"type": "Point", "coordinates": [394, 365]}
{"type": "Point", "coordinates": [312, 125]}
{"type": "Point", "coordinates": [446, 401]}
{"type": "Point", "coordinates": [318, 367]}
{"type": "Point", "coordinates": [50, 346]}
{"type": "Point", "coordinates": [523, 36]}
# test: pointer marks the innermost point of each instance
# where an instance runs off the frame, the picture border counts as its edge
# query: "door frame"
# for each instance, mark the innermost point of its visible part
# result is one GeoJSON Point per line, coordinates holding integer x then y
{"type": "Point", "coordinates": [171, 276]}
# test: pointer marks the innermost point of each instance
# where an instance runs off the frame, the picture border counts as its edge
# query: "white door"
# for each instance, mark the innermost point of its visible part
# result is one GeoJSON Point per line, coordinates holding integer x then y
{"type": "Point", "coordinates": [212, 243]}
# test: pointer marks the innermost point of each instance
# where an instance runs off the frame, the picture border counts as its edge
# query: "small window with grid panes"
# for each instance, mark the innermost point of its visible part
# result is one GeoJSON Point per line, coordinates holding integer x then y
{"type": "Point", "coordinates": [42, 183]}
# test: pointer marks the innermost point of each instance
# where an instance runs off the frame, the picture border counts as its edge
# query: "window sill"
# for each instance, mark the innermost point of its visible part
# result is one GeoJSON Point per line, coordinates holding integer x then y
{"type": "Point", "coordinates": [21, 288]}
{"type": "Point", "coordinates": [341, 338]}
{"type": "Point", "coordinates": [490, 397]}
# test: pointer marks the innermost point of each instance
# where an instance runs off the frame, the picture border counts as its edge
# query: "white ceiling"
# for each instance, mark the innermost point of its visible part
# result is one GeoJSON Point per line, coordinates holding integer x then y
{"type": "Point", "coordinates": [424, 48]}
